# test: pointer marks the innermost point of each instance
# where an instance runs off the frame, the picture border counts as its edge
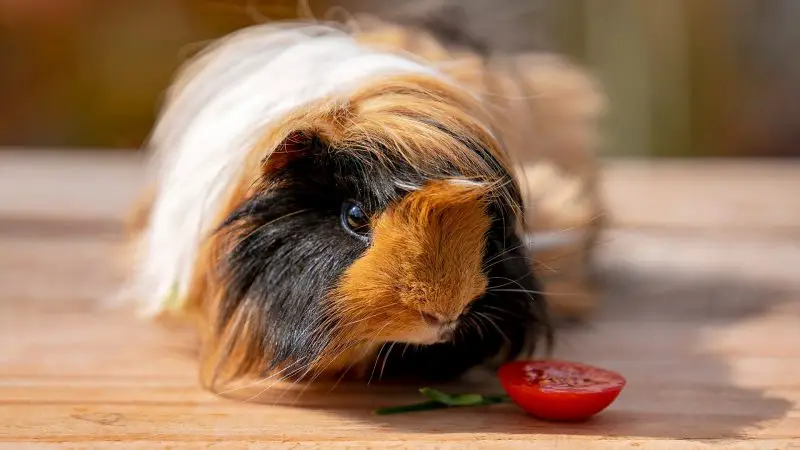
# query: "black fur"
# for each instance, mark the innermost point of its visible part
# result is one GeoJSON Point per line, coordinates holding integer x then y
{"type": "Point", "coordinates": [288, 248]}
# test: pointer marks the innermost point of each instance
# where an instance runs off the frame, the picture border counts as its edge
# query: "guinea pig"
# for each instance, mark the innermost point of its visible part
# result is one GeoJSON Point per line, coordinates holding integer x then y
{"type": "Point", "coordinates": [322, 201]}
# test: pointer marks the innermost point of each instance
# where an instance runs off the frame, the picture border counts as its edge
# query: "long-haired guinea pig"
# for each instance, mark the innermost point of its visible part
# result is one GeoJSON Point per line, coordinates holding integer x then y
{"type": "Point", "coordinates": [322, 199]}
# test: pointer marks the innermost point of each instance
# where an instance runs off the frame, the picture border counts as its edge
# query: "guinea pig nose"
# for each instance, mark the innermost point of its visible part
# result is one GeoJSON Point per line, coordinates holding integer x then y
{"type": "Point", "coordinates": [446, 335]}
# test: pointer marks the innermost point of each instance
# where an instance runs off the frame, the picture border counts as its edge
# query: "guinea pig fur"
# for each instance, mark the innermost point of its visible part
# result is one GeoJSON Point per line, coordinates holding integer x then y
{"type": "Point", "coordinates": [320, 196]}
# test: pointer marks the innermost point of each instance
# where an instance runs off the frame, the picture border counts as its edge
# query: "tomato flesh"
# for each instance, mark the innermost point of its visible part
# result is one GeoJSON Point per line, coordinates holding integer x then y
{"type": "Point", "coordinates": [560, 390]}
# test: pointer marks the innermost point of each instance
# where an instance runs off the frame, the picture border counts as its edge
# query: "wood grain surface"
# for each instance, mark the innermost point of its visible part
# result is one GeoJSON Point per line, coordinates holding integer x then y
{"type": "Point", "coordinates": [701, 313]}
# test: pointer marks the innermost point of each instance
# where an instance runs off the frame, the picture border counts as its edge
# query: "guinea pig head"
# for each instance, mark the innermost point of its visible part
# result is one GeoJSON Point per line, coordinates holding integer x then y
{"type": "Point", "coordinates": [390, 217]}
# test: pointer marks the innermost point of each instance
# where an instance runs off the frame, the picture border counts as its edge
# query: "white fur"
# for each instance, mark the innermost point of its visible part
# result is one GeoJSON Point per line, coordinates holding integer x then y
{"type": "Point", "coordinates": [245, 84]}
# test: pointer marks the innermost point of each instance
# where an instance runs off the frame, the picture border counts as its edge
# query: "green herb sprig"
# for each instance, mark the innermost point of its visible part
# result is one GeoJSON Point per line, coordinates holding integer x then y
{"type": "Point", "coordinates": [440, 400]}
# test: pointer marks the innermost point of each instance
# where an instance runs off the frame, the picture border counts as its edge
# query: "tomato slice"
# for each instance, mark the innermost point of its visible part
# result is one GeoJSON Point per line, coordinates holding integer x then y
{"type": "Point", "coordinates": [560, 390]}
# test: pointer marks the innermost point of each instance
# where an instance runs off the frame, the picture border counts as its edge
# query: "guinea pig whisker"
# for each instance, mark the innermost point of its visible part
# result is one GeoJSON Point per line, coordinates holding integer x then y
{"type": "Point", "coordinates": [365, 318]}
{"type": "Point", "coordinates": [505, 252]}
{"type": "Point", "coordinates": [386, 358]}
{"type": "Point", "coordinates": [505, 255]}
{"type": "Point", "coordinates": [529, 291]}
{"type": "Point", "coordinates": [571, 253]}
{"type": "Point", "coordinates": [281, 379]}
{"type": "Point", "coordinates": [322, 370]}
{"type": "Point", "coordinates": [377, 357]}
{"type": "Point", "coordinates": [318, 372]}
{"type": "Point", "coordinates": [294, 382]}
{"type": "Point", "coordinates": [478, 326]}
{"type": "Point", "coordinates": [375, 366]}
{"type": "Point", "coordinates": [509, 258]}
{"type": "Point", "coordinates": [492, 316]}
{"type": "Point", "coordinates": [258, 381]}
{"type": "Point", "coordinates": [503, 311]}
{"type": "Point", "coordinates": [341, 377]}
{"type": "Point", "coordinates": [510, 281]}
{"type": "Point", "coordinates": [343, 327]}
{"type": "Point", "coordinates": [491, 322]}
{"type": "Point", "coordinates": [582, 224]}
{"type": "Point", "coordinates": [347, 369]}
{"type": "Point", "coordinates": [474, 322]}
{"type": "Point", "coordinates": [503, 218]}
{"type": "Point", "coordinates": [552, 270]}
{"type": "Point", "coordinates": [311, 366]}
{"type": "Point", "coordinates": [351, 308]}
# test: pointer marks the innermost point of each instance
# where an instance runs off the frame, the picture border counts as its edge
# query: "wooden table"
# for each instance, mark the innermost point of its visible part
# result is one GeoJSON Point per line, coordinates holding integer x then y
{"type": "Point", "coordinates": [702, 314]}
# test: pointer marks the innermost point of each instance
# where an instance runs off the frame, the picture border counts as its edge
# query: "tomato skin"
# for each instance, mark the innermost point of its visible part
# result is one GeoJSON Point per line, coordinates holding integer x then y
{"type": "Point", "coordinates": [552, 399]}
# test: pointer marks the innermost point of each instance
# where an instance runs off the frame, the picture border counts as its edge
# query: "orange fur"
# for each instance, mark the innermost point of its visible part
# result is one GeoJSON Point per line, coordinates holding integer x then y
{"type": "Point", "coordinates": [425, 258]}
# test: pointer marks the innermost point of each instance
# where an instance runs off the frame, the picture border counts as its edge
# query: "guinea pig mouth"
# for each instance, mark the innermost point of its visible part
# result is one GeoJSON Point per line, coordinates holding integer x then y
{"type": "Point", "coordinates": [446, 332]}
{"type": "Point", "coordinates": [445, 336]}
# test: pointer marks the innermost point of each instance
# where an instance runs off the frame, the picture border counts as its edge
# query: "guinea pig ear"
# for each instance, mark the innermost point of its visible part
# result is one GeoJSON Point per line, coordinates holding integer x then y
{"type": "Point", "coordinates": [298, 144]}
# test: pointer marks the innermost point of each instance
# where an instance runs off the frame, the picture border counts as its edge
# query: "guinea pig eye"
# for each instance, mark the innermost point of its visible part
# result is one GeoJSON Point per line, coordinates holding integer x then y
{"type": "Point", "coordinates": [355, 220]}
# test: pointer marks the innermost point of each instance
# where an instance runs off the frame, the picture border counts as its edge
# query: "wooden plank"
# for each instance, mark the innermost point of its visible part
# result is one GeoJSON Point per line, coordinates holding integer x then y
{"type": "Point", "coordinates": [69, 187]}
{"type": "Point", "coordinates": [709, 352]}
{"type": "Point", "coordinates": [712, 194]}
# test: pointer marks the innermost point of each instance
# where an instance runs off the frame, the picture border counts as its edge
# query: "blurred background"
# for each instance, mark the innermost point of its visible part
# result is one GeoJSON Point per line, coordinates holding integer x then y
{"type": "Point", "coordinates": [700, 301]}
{"type": "Point", "coordinates": [687, 78]}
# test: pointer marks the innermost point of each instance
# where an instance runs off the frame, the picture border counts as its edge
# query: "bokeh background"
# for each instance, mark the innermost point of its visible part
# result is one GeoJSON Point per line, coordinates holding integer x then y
{"type": "Point", "coordinates": [686, 78]}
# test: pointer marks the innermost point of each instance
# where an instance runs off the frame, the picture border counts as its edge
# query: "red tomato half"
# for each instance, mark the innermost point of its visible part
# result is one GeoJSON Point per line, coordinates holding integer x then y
{"type": "Point", "coordinates": [560, 390]}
